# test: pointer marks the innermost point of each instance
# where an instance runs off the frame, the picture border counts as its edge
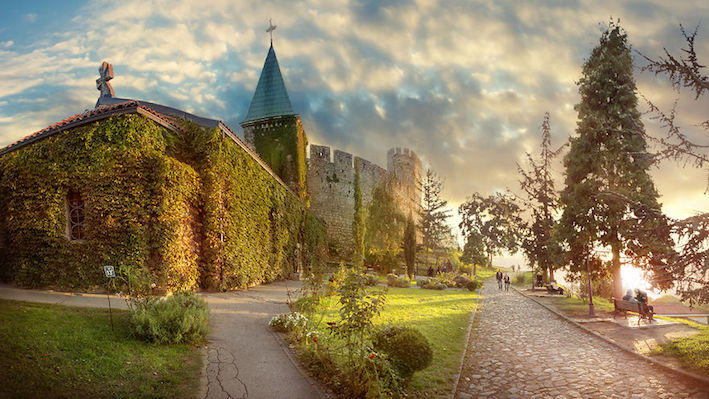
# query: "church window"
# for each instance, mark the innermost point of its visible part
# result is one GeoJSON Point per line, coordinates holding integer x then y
{"type": "Point", "coordinates": [75, 216]}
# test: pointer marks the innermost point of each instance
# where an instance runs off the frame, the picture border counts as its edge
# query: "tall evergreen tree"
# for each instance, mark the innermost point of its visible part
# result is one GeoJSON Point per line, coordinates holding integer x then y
{"type": "Point", "coordinates": [410, 246]}
{"type": "Point", "coordinates": [609, 197]}
{"type": "Point", "coordinates": [433, 215]}
{"type": "Point", "coordinates": [540, 245]}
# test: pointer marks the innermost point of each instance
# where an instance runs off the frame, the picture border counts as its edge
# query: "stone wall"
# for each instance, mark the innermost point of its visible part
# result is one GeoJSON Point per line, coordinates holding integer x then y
{"type": "Point", "coordinates": [330, 184]}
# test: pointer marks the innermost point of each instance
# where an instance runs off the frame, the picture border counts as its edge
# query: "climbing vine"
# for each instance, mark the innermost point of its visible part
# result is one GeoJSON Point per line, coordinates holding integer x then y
{"type": "Point", "coordinates": [191, 207]}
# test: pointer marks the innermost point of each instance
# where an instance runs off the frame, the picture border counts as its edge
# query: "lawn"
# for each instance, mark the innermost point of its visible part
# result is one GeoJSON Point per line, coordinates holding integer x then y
{"type": "Point", "coordinates": [53, 351]}
{"type": "Point", "coordinates": [442, 317]}
{"type": "Point", "coordinates": [692, 352]}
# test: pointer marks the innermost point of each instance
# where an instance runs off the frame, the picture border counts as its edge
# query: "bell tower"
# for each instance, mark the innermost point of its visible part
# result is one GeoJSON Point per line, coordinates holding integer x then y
{"type": "Point", "coordinates": [273, 130]}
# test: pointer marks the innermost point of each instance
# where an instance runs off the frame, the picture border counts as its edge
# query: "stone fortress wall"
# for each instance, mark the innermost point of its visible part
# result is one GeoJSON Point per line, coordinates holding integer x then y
{"type": "Point", "coordinates": [330, 184]}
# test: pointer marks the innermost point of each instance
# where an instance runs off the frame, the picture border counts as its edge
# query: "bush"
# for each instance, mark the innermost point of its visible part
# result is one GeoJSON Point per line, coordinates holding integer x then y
{"type": "Point", "coordinates": [402, 282]}
{"type": "Point", "coordinates": [372, 279]}
{"type": "Point", "coordinates": [391, 279]}
{"type": "Point", "coordinates": [461, 281]}
{"type": "Point", "coordinates": [407, 349]}
{"type": "Point", "coordinates": [474, 285]}
{"type": "Point", "coordinates": [440, 286]}
{"type": "Point", "coordinates": [286, 322]}
{"type": "Point", "coordinates": [182, 317]}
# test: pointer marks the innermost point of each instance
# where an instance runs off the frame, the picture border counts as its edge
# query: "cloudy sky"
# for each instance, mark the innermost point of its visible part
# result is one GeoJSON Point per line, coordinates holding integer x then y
{"type": "Point", "coordinates": [463, 83]}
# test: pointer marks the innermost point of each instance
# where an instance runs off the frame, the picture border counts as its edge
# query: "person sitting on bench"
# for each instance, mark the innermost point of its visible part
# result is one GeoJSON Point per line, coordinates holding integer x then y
{"type": "Point", "coordinates": [629, 296]}
{"type": "Point", "coordinates": [641, 297]}
{"type": "Point", "coordinates": [556, 288]}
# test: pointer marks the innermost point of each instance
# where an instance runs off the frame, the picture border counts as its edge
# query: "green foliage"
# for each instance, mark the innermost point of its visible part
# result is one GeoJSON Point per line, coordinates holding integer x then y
{"type": "Point", "coordinates": [180, 318]}
{"type": "Point", "coordinates": [433, 216]}
{"type": "Point", "coordinates": [384, 226]}
{"type": "Point", "coordinates": [191, 207]}
{"type": "Point", "coordinates": [52, 351]}
{"type": "Point", "coordinates": [492, 221]}
{"type": "Point", "coordinates": [539, 243]}
{"type": "Point", "coordinates": [286, 322]}
{"type": "Point", "coordinates": [609, 196]}
{"type": "Point", "coordinates": [358, 222]}
{"type": "Point", "coordinates": [692, 352]}
{"type": "Point", "coordinates": [407, 349]}
{"type": "Point", "coordinates": [400, 282]}
{"type": "Point", "coordinates": [410, 246]}
{"type": "Point", "coordinates": [357, 310]}
{"type": "Point", "coordinates": [474, 284]}
{"type": "Point", "coordinates": [282, 145]}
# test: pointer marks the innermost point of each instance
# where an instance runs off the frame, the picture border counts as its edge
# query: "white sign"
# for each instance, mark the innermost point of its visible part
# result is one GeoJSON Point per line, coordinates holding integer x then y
{"type": "Point", "coordinates": [110, 273]}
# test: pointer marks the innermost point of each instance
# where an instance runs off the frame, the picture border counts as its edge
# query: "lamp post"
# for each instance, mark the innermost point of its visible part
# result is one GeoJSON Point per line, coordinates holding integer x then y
{"type": "Point", "coordinates": [590, 289]}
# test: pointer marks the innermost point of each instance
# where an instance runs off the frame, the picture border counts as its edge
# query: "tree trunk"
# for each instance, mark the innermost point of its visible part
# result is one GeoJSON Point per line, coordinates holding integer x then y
{"type": "Point", "coordinates": [617, 280]}
{"type": "Point", "coordinates": [551, 274]}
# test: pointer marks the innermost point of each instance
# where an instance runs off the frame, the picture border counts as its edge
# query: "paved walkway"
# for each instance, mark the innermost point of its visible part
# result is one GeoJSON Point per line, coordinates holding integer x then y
{"type": "Point", "coordinates": [244, 358]}
{"type": "Point", "coordinates": [518, 349]}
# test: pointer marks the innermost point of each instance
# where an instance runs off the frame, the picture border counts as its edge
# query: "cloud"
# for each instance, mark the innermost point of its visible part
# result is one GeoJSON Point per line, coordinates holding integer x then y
{"type": "Point", "coordinates": [465, 85]}
{"type": "Point", "coordinates": [31, 17]}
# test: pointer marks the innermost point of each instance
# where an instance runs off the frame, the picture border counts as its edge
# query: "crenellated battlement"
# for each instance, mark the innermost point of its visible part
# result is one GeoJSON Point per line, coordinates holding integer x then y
{"type": "Point", "coordinates": [331, 183]}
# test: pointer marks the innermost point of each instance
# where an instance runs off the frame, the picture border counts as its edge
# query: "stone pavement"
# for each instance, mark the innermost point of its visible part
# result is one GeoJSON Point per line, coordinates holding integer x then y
{"type": "Point", "coordinates": [518, 349]}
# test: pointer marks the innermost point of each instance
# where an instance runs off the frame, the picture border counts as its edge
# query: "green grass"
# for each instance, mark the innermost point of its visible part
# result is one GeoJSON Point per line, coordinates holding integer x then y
{"type": "Point", "coordinates": [575, 304]}
{"type": "Point", "coordinates": [692, 352]}
{"type": "Point", "coordinates": [53, 351]}
{"type": "Point", "coordinates": [442, 317]}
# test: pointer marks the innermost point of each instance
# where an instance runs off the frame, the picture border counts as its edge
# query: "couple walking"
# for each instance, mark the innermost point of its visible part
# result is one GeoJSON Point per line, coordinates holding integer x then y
{"type": "Point", "coordinates": [500, 278]}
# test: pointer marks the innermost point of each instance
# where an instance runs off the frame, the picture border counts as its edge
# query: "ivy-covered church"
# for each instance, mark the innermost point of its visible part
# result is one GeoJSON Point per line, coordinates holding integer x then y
{"type": "Point", "coordinates": [145, 186]}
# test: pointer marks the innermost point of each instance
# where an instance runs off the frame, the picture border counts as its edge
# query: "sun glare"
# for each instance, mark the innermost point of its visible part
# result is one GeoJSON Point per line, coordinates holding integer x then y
{"type": "Point", "coordinates": [633, 278]}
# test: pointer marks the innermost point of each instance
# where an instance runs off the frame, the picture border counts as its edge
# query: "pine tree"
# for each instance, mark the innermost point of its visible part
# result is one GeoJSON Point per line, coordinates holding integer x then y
{"type": "Point", "coordinates": [433, 215]}
{"type": "Point", "coordinates": [608, 190]}
{"type": "Point", "coordinates": [410, 246]}
{"type": "Point", "coordinates": [539, 244]}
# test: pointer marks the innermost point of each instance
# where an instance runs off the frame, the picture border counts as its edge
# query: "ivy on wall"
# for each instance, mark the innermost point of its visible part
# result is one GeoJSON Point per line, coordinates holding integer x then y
{"type": "Point", "coordinates": [281, 143]}
{"type": "Point", "coordinates": [192, 207]}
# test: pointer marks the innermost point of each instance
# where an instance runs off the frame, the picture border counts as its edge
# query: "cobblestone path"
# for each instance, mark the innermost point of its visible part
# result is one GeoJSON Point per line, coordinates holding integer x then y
{"type": "Point", "coordinates": [519, 349]}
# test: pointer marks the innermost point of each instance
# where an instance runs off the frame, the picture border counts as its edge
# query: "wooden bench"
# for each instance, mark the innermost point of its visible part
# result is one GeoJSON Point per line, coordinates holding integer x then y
{"type": "Point", "coordinates": [557, 290]}
{"type": "Point", "coordinates": [620, 305]}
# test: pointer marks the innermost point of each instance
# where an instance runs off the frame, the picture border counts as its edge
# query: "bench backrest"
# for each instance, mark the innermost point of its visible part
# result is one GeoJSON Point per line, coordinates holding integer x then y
{"type": "Point", "coordinates": [627, 305]}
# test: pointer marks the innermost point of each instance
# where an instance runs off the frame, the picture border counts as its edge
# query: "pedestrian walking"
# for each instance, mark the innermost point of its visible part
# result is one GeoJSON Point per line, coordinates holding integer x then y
{"type": "Point", "coordinates": [507, 282]}
{"type": "Point", "coordinates": [498, 276]}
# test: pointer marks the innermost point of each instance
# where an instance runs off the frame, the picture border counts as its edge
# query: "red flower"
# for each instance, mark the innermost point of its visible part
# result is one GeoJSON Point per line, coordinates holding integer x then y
{"type": "Point", "coordinates": [315, 339]}
{"type": "Point", "coordinates": [373, 355]}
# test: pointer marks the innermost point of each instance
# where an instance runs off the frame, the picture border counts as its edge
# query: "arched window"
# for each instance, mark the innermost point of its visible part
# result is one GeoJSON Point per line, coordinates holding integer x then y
{"type": "Point", "coordinates": [75, 216]}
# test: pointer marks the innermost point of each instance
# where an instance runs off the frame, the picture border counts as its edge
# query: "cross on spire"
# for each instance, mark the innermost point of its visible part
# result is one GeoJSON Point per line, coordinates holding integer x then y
{"type": "Point", "coordinates": [271, 28]}
{"type": "Point", "coordinates": [106, 73]}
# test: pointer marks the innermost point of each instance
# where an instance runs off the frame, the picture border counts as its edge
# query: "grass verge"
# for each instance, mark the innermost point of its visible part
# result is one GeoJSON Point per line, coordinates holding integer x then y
{"type": "Point", "coordinates": [53, 351]}
{"type": "Point", "coordinates": [692, 352]}
{"type": "Point", "coordinates": [441, 316]}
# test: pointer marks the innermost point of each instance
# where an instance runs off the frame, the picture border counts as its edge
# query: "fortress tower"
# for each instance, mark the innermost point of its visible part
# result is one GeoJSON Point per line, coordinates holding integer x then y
{"type": "Point", "coordinates": [405, 165]}
{"type": "Point", "coordinates": [274, 131]}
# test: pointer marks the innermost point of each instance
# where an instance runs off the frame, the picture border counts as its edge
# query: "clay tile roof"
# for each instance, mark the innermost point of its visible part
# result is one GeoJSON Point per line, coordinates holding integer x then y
{"type": "Point", "coordinates": [98, 113]}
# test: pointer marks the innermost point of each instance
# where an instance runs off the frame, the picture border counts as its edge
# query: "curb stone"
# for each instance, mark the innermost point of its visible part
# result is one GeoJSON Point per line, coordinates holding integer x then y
{"type": "Point", "coordinates": [303, 372]}
{"type": "Point", "coordinates": [625, 348]}
{"type": "Point", "coordinates": [467, 340]}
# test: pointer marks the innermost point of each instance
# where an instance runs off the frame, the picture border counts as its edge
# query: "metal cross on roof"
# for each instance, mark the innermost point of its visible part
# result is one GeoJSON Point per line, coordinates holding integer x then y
{"type": "Point", "coordinates": [102, 85]}
{"type": "Point", "coordinates": [271, 28]}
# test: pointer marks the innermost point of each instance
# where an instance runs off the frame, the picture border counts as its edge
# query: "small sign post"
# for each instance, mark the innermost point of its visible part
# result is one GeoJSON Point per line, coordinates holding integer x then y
{"type": "Point", "coordinates": [110, 273]}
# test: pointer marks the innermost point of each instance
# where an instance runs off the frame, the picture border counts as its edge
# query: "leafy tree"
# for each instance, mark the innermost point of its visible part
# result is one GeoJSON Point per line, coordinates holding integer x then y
{"type": "Point", "coordinates": [539, 243]}
{"type": "Point", "coordinates": [410, 246]}
{"type": "Point", "coordinates": [607, 164]}
{"type": "Point", "coordinates": [495, 220]}
{"type": "Point", "coordinates": [358, 222]}
{"type": "Point", "coordinates": [384, 226]}
{"type": "Point", "coordinates": [474, 250]}
{"type": "Point", "coordinates": [433, 216]}
{"type": "Point", "coordinates": [689, 267]}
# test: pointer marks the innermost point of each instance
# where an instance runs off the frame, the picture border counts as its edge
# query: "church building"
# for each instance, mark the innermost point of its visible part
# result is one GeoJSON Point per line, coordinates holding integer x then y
{"type": "Point", "coordinates": [155, 190]}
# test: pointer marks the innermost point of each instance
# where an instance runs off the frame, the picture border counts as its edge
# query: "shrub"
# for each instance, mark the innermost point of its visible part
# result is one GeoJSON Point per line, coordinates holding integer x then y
{"type": "Point", "coordinates": [440, 286]}
{"type": "Point", "coordinates": [391, 279]}
{"type": "Point", "coordinates": [372, 279]}
{"type": "Point", "coordinates": [286, 322]}
{"type": "Point", "coordinates": [401, 282]}
{"type": "Point", "coordinates": [407, 349]}
{"type": "Point", "coordinates": [182, 317]}
{"type": "Point", "coordinates": [461, 281]}
{"type": "Point", "coordinates": [474, 284]}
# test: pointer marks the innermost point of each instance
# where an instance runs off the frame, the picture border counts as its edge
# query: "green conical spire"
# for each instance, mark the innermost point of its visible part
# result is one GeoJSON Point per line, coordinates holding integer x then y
{"type": "Point", "coordinates": [271, 97]}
